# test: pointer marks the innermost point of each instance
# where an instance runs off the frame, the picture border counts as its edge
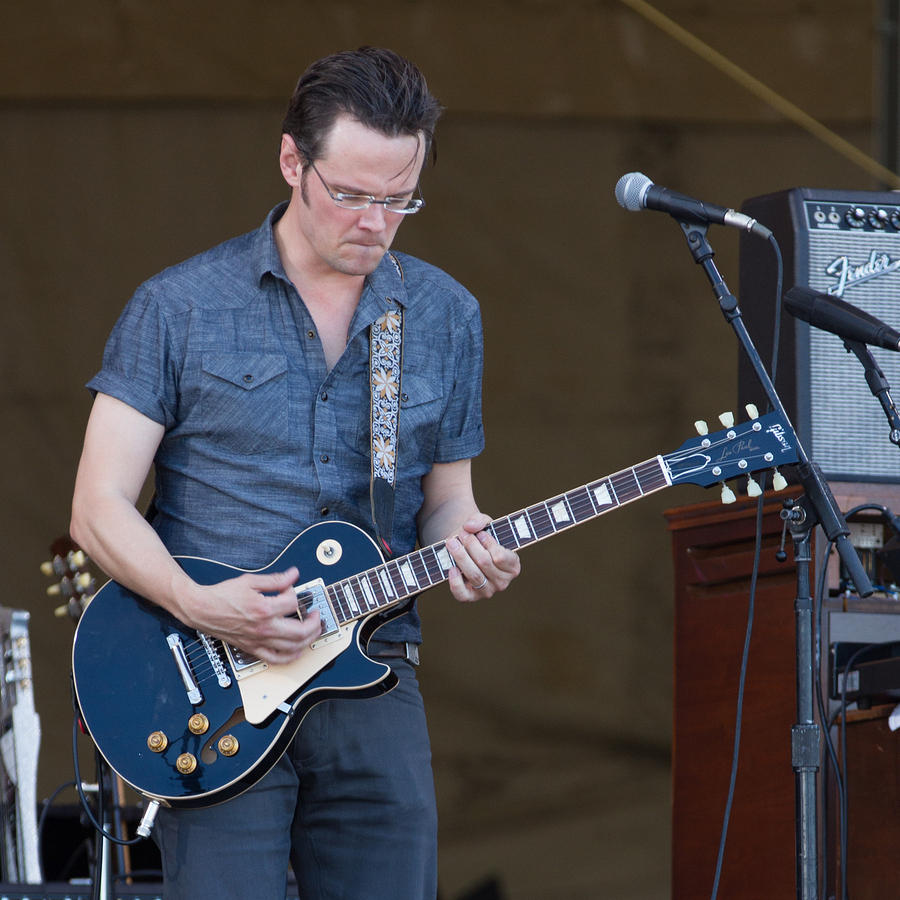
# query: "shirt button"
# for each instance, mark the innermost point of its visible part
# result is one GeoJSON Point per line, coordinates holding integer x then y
{"type": "Point", "coordinates": [324, 457]}
{"type": "Point", "coordinates": [248, 378]}
{"type": "Point", "coordinates": [404, 396]}
{"type": "Point", "coordinates": [324, 510]}
{"type": "Point", "coordinates": [324, 396]}
{"type": "Point", "coordinates": [310, 334]}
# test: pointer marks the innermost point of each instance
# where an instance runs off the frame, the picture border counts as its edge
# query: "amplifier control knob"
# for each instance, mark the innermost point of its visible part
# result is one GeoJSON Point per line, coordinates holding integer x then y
{"type": "Point", "coordinates": [878, 218]}
{"type": "Point", "coordinates": [856, 217]}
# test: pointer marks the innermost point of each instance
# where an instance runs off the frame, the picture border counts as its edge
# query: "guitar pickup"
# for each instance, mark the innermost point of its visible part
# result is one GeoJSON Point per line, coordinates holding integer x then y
{"type": "Point", "coordinates": [313, 597]}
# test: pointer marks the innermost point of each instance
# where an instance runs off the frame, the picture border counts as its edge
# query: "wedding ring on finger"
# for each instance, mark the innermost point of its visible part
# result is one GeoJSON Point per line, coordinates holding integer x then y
{"type": "Point", "coordinates": [478, 587]}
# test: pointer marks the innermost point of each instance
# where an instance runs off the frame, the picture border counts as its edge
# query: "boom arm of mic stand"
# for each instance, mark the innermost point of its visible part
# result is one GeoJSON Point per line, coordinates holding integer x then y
{"type": "Point", "coordinates": [878, 385]}
{"type": "Point", "coordinates": [814, 484]}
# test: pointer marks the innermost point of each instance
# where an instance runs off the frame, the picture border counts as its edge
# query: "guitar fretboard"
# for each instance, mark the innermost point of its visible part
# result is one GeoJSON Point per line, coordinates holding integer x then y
{"type": "Point", "coordinates": [397, 580]}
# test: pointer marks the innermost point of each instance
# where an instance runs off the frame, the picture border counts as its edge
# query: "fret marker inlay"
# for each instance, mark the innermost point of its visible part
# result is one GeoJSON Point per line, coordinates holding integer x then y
{"type": "Point", "coordinates": [560, 512]}
{"type": "Point", "coordinates": [602, 495]}
{"type": "Point", "coordinates": [408, 576]}
{"type": "Point", "coordinates": [522, 528]}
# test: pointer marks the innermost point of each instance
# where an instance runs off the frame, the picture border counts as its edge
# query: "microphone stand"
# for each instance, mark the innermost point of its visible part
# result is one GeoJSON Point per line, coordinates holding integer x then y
{"type": "Point", "coordinates": [878, 385]}
{"type": "Point", "coordinates": [816, 507]}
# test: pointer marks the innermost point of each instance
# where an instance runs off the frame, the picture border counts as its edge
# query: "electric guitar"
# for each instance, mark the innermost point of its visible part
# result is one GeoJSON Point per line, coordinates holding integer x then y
{"type": "Point", "coordinates": [190, 721]}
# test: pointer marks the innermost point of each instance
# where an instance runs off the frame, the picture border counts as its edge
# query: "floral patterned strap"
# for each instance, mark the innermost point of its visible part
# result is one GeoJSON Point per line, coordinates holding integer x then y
{"type": "Point", "coordinates": [385, 343]}
{"type": "Point", "coordinates": [386, 358]}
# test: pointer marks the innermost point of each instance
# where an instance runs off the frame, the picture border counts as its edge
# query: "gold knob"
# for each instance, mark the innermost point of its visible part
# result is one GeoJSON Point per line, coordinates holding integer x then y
{"type": "Point", "coordinates": [186, 763]}
{"type": "Point", "coordinates": [157, 742]}
{"type": "Point", "coordinates": [198, 723]}
{"type": "Point", "coordinates": [228, 745]}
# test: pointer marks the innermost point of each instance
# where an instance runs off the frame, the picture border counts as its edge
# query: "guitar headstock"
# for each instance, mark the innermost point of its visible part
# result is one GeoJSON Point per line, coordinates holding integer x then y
{"type": "Point", "coordinates": [69, 566]}
{"type": "Point", "coordinates": [738, 450]}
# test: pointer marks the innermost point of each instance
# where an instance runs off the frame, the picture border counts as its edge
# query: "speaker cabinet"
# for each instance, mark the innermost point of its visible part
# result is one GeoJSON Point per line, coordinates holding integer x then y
{"type": "Point", "coordinates": [846, 244]}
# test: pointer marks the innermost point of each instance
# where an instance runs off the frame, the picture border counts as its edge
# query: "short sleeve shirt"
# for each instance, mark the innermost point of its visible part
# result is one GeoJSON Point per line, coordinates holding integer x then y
{"type": "Point", "coordinates": [261, 440]}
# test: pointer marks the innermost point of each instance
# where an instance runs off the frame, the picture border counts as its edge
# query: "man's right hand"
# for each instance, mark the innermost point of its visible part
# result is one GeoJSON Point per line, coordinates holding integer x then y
{"type": "Point", "coordinates": [255, 612]}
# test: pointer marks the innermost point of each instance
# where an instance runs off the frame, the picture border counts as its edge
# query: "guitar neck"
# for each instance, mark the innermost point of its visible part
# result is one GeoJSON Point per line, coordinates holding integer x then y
{"type": "Point", "coordinates": [399, 579]}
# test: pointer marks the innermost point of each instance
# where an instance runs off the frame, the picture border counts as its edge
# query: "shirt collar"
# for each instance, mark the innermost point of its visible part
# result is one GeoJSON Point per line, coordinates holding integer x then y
{"type": "Point", "coordinates": [384, 286]}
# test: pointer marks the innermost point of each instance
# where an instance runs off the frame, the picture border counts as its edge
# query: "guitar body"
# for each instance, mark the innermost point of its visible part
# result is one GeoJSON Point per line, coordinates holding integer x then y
{"type": "Point", "coordinates": [130, 689]}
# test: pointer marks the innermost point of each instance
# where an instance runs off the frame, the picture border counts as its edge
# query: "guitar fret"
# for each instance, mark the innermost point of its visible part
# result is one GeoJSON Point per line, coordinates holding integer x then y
{"type": "Point", "coordinates": [523, 529]}
{"type": "Point", "coordinates": [386, 585]}
{"type": "Point", "coordinates": [652, 475]}
{"type": "Point", "coordinates": [407, 571]}
{"type": "Point", "coordinates": [625, 485]}
{"type": "Point", "coordinates": [579, 505]}
{"type": "Point", "coordinates": [393, 571]}
{"type": "Point", "coordinates": [338, 604]}
{"type": "Point", "coordinates": [351, 597]}
{"type": "Point", "coordinates": [432, 565]}
{"type": "Point", "coordinates": [504, 533]}
{"type": "Point", "coordinates": [421, 569]}
{"type": "Point", "coordinates": [368, 591]}
{"type": "Point", "coordinates": [560, 512]}
{"type": "Point", "coordinates": [583, 507]}
{"type": "Point", "coordinates": [541, 520]}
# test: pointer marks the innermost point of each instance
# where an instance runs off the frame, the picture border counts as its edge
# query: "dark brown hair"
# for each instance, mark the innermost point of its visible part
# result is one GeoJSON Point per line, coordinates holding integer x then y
{"type": "Point", "coordinates": [377, 87]}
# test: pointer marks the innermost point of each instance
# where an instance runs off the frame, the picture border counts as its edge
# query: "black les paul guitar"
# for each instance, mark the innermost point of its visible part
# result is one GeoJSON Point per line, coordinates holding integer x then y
{"type": "Point", "coordinates": [190, 721]}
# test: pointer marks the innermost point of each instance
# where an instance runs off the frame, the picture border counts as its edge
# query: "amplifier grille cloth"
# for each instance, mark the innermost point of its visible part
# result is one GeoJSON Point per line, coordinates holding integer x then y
{"type": "Point", "coordinates": [848, 428]}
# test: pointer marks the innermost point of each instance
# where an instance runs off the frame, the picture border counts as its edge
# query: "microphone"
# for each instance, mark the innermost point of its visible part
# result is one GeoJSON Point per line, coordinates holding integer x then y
{"type": "Point", "coordinates": [635, 191]}
{"type": "Point", "coordinates": [840, 318]}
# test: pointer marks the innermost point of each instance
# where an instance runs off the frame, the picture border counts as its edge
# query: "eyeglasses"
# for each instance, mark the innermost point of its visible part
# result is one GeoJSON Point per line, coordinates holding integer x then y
{"type": "Point", "coordinates": [403, 205]}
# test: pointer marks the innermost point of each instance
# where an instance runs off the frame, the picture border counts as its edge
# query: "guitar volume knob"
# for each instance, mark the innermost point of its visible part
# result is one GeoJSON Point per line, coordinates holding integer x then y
{"type": "Point", "coordinates": [186, 763]}
{"type": "Point", "coordinates": [228, 745]}
{"type": "Point", "coordinates": [157, 742]}
{"type": "Point", "coordinates": [198, 724]}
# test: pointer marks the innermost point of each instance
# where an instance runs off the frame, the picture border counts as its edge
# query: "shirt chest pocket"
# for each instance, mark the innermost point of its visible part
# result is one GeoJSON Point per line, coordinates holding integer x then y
{"type": "Point", "coordinates": [244, 399]}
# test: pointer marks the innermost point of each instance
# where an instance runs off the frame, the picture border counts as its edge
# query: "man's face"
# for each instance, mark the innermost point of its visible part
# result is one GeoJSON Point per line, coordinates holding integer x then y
{"type": "Point", "coordinates": [356, 160]}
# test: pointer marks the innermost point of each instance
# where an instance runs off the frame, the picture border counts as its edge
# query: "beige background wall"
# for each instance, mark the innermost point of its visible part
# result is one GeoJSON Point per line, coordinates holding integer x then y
{"type": "Point", "coordinates": [135, 134]}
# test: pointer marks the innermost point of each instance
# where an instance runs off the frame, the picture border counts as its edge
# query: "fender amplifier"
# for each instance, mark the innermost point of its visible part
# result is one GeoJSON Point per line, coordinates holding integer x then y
{"type": "Point", "coordinates": [846, 244]}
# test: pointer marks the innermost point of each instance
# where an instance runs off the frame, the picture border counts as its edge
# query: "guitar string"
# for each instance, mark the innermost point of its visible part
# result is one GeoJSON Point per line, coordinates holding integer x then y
{"type": "Point", "coordinates": [541, 522]}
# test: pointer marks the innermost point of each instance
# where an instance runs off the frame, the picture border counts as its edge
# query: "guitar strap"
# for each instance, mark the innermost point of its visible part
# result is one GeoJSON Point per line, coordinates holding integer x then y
{"type": "Point", "coordinates": [385, 366]}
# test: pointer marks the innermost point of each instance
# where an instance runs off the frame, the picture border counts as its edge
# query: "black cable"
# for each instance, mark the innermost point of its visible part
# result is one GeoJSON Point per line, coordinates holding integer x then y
{"type": "Point", "coordinates": [42, 819]}
{"type": "Point", "coordinates": [751, 607]}
{"type": "Point", "coordinates": [754, 576]}
{"type": "Point", "coordinates": [84, 800]}
{"type": "Point", "coordinates": [823, 714]}
{"type": "Point", "coordinates": [776, 329]}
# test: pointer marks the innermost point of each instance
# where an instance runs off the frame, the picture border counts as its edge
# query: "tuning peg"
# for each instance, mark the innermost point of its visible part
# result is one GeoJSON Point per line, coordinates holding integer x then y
{"type": "Point", "coordinates": [83, 581]}
{"type": "Point", "coordinates": [752, 411]}
{"type": "Point", "coordinates": [727, 494]}
{"type": "Point", "coordinates": [779, 482]}
{"type": "Point", "coordinates": [77, 559]}
{"type": "Point", "coordinates": [47, 568]}
{"type": "Point", "coordinates": [727, 419]}
{"type": "Point", "coordinates": [701, 426]}
{"type": "Point", "coordinates": [54, 590]}
{"type": "Point", "coordinates": [753, 488]}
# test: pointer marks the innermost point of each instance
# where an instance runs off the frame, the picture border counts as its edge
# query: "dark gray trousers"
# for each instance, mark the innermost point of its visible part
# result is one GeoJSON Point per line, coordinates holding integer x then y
{"type": "Point", "coordinates": [350, 805]}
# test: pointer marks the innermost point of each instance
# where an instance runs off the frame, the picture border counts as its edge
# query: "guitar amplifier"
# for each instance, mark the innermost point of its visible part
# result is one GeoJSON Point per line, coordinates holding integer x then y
{"type": "Point", "coordinates": [846, 244]}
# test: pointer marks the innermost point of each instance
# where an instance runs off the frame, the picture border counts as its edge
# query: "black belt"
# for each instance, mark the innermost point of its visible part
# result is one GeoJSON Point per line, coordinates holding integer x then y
{"type": "Point", "coordinates": [395, 650]}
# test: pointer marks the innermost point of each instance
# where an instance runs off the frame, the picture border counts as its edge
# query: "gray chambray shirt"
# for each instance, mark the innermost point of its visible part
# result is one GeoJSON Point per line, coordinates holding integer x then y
{"type": "Point", "coordinates": [260, 440]}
